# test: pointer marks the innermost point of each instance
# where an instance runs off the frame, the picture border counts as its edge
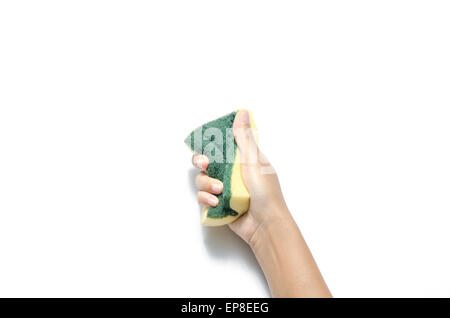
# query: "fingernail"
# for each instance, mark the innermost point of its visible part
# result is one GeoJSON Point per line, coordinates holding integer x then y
{"type": "Point", "coordinates": [199, 163]}
{"type": "Point", "coordinates": [213, 201]}
{"type": "Point", "coordinates": [217, 187]}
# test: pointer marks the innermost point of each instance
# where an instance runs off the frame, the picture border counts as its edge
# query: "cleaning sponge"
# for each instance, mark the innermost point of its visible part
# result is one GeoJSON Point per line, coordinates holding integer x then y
{"type": "Point", "coordinates": [216, 141]}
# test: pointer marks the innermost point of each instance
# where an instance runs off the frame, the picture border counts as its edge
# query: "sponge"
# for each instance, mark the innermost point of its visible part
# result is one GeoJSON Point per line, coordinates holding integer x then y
{"type": "Point", "coordinates": [215, 140]}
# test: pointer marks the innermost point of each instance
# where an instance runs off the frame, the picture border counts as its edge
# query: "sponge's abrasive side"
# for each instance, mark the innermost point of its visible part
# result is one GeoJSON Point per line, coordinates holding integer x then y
{"type": "Point", "coordinates": [234, 199]}
{"type": "Point", "coordinates": [218, 170]}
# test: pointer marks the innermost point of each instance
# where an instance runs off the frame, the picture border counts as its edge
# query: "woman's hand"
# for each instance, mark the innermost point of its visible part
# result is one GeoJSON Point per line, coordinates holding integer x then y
{"type": "Point", "coordinates": [268, 226]}
{"type": "Point", "coordinates": [266, 203]}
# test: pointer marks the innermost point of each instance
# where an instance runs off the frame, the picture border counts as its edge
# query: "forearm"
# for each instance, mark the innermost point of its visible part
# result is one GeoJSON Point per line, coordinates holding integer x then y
{"type": "Point", "coordinates": [285, 258]}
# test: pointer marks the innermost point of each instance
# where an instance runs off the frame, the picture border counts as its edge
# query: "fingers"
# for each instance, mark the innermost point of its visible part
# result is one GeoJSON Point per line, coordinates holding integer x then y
{"type": "Point", "coordinates": [244, 137]}
{"type": "Point", "coordinates": [208, 186]}
{"type": "Point", "coordinates": [207, 199]}
{"type": "Point", "coordinates": [205, 183]}
{"type": "Point", "coordinates": [200, 161]}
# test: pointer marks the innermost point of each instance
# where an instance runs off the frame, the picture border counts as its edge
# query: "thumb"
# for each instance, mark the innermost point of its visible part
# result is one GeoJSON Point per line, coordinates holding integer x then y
{"type": "Point", "coordinates": [245, 139]}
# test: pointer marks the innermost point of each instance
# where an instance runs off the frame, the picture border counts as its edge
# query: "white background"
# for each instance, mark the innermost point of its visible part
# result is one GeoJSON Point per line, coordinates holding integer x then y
{"type": "Point", "coordinates": [352, 101]}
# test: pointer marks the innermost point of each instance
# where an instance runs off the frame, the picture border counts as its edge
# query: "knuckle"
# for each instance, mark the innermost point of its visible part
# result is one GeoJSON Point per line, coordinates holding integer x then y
{"type": "Point", "coordinates": [203, 180]}
{"type": "Point", "coordinates": [197, 179]}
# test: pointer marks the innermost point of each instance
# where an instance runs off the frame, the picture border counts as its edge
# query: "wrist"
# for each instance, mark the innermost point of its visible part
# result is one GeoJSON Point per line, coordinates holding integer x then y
{"type": "Point", "coordinates": [277, 222]}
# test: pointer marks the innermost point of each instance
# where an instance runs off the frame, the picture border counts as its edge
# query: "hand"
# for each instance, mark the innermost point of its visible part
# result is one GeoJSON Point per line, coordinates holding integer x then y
{"type": "Point", "coordinates": [266, 200]}
{"type": "Point", "coordinates": [268, 226]}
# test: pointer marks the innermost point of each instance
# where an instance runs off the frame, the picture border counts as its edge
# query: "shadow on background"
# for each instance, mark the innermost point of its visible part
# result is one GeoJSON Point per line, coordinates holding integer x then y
{"type": "Point", "coordinates": [222, 243]}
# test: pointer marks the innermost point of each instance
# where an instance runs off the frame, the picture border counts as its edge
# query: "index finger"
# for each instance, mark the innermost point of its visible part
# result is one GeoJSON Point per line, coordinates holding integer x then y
{"type": "Point", "coordinates": [200, 161]}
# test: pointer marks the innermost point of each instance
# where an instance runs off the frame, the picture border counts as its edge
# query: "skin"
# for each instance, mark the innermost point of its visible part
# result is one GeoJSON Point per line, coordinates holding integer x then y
{"type": "Point", "coordinates": [268, 226]}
